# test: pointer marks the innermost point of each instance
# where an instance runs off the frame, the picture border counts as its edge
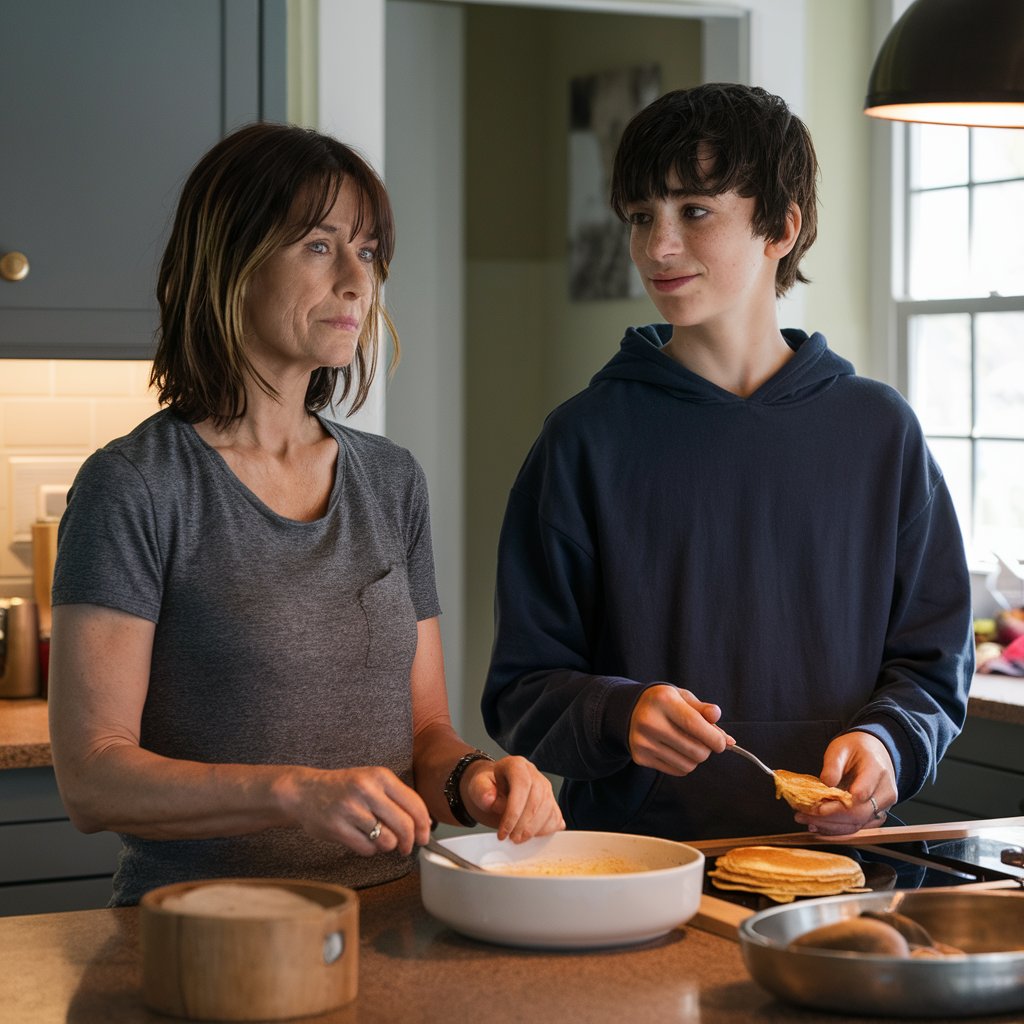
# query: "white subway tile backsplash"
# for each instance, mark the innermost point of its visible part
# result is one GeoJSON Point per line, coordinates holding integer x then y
{"type": "Point", "coordinates": [93, 379]}
{"type": "Point", "coordinates": [140, 378]}
{"type": "Point", "coordinates": [60, 408]}
{"type": "Point", "coordinates": [26, 377]}
{"type": "Point", "coordinates": [57, 423]}
{"type": "Point", "coordinates": [115, 418]}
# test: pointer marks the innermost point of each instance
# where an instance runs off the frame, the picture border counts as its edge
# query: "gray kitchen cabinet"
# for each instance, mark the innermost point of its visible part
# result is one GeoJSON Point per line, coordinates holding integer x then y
{"type": "Point", "coordinates": [107, 104]}
{"type": "Point", "coordinates": [46, 864]}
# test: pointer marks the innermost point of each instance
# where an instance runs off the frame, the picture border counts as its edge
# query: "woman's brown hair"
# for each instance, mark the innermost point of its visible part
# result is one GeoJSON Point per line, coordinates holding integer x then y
{"type": "Point", "coordinates": [259, 188]}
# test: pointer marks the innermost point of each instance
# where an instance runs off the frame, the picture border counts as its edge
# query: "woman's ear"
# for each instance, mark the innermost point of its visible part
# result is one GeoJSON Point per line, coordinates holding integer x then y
{"type": "Point", "coordinates": [777, 248]}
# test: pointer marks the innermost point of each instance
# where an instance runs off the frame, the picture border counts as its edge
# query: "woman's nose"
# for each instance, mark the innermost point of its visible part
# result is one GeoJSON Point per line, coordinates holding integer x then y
{"type": "Point", "coordinates": [354, 276]}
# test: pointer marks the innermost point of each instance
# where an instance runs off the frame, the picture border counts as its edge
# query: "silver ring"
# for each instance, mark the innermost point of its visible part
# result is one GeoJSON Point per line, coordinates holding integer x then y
{"type": "Point", "coordinates": [874, 807]}
{"type": "Point", "coordinates": [374, 834]}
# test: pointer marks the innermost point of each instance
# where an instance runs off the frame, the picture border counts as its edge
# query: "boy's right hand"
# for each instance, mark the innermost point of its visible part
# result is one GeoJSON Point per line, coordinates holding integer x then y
{"type": "Point", "coordinates": [673, 731]}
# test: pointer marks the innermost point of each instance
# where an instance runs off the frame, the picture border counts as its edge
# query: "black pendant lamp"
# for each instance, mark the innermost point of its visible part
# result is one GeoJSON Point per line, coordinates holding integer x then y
{"type": "Point", "coordinates": [952, 62]}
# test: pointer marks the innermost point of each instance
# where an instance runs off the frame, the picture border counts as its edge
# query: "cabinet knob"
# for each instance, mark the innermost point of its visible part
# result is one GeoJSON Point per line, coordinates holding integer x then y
{"type": "Point", "coordinates": [13, 266]}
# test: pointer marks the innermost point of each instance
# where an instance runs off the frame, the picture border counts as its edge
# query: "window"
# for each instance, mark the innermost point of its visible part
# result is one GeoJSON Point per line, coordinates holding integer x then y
{"type": "Point", "coordinates": [961, 321]}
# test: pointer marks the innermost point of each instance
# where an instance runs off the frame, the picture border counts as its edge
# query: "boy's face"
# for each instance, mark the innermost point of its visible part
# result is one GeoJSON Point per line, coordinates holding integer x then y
{"type": "Point", "coordinates": [700, 261]}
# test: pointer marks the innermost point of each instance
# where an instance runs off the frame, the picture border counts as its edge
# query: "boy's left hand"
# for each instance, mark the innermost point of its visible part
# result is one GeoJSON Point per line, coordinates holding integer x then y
{"type": "Point", "coordinates": [857, 762]}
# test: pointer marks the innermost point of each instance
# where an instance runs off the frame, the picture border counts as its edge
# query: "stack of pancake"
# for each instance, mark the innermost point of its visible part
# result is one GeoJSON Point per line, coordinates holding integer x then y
{"type": "Point", "coordinates": [805, 792]}
{"type": "Point", "coordinates": [783, 873]}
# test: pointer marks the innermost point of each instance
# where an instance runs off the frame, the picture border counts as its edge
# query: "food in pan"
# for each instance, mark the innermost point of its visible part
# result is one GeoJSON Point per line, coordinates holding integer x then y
{"type": "Point", "coordinates": [783, 873]}
{"type": "Point", "coordinates": [855, 935]}
{"type": "Point", "coordinates": [806, 792]}
{"type": "Point", "coordinates": [882, 933]}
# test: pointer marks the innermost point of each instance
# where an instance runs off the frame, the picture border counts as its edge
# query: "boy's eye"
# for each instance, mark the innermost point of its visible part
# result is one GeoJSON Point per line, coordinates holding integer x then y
{"type": "Point", "coordinates": [638, 217]}
{"type": "Point", "coordinates": [695, 212]}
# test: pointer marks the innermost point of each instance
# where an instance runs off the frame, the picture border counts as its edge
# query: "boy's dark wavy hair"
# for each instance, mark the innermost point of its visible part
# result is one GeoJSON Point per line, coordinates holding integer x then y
{"type": "Point", "coordinates": [719, 138]}
{"type": "Point", "coordinates": [263, 186]}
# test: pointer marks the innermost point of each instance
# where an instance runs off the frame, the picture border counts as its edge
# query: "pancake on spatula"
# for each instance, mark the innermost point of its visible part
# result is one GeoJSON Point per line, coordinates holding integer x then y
{"type": "Point", "coordinates": [806, 792]}
{"type": "Point", "coordinates": [783, 873]}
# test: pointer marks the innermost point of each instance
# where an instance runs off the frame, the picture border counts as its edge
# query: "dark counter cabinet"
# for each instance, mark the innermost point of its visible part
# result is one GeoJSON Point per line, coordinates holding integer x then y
{"type": "Point", "coordinates": [981, 776]}
{"type": "Point", "coordinates": [46, 864]}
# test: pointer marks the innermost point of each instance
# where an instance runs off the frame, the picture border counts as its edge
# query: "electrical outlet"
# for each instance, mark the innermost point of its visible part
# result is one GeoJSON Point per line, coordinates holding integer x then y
{"type": "Point", "coordinates": [38, 483]}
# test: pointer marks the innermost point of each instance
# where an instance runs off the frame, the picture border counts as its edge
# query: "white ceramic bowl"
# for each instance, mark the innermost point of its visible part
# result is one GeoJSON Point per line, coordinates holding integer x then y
{"type": "Point", "coordinates": [564, 911]}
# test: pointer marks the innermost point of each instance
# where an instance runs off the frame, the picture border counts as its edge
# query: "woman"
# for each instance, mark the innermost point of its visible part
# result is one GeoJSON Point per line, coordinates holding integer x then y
{"type": "Point", "coordinates": [246, 675]}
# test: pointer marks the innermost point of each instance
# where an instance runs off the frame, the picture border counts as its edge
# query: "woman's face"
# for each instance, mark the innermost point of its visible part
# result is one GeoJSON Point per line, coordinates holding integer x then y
{"type": "Point", "coordinates": [307, 304]}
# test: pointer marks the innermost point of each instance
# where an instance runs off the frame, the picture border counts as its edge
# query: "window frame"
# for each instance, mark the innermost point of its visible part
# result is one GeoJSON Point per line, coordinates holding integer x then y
{"type": "Point", "coordinates": [902, 308]}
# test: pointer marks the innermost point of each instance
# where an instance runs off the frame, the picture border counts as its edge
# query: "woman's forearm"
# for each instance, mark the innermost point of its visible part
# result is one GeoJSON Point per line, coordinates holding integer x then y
{"type": "Point", "coordinates": [123, 788]}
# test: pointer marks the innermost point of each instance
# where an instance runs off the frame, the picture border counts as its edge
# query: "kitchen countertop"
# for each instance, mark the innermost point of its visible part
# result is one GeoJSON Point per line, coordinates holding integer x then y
{"type": "Point", "coordinates": [85, 968]}
{"type": "Point", "coordinates": [25, 735]}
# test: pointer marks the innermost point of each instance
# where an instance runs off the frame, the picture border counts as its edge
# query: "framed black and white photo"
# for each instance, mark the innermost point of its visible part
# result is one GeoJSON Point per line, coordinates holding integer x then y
{"type": "Point", "coordinates": [600, 107]}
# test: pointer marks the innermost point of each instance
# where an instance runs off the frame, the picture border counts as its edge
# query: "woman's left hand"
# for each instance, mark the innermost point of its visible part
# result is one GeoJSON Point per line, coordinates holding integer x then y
{"type": "Point", "coordinates": [858, 762]}
{"type": "Point", "coordinates": [512, 796]}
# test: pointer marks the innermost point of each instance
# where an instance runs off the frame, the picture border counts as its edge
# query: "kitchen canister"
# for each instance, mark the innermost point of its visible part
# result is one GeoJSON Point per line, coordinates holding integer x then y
{"type": "Point", "coordinates": [44, 555]}
{"type": "Point", "coordinates": [19, 648]}
{"type": "Point", "coordinates": [247, 949]}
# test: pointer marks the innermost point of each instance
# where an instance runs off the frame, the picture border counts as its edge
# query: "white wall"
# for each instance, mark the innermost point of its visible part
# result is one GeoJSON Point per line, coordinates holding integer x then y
{"type": "Point", "coordinates": [424, 400]}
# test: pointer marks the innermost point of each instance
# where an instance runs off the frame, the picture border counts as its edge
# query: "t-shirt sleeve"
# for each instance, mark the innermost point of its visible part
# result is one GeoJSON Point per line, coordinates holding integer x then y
{"type": "Point", "coordinates": [419, 549]}
{"type": "Point", "coordinates": [108, 550]}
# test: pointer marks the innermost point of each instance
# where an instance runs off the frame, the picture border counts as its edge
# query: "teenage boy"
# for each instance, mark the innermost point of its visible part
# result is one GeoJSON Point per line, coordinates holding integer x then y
{"type": "Point", "coordinates": [728, 536]}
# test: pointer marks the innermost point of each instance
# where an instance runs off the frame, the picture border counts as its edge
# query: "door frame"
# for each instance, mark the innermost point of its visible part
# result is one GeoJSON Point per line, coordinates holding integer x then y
{"type": "Point", "coordinates": [761, 42]}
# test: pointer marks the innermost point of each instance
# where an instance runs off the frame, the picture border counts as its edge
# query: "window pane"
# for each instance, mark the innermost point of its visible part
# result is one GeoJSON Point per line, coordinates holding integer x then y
{"type": "Point", "coordinates": [938, 155]}
{"type": "Point", "coordinates": [997, 243]}
{"type": "Point", "coordinates": [999, 338]}
{"type": "Point", "coordinates": [997, 153]}
{"type": "Point", "coordinates": [938, 244]}
{"type": "Point", "coordinates": [954, 459]}
{"type": "Point", "coordinates": [940, 372]}
{"type": "Point", "coordinates": [1000, 497]}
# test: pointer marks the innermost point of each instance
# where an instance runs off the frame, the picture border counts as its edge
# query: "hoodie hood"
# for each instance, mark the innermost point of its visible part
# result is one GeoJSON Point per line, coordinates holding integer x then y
{"type": "Point", "coordinates": [813, 369]}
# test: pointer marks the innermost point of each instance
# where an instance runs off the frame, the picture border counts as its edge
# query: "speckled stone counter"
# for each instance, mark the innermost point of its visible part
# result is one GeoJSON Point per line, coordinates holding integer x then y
{"type": "Point", "coordinates": [24, 734]}
{"type": "Point", "coordinates": [999, 698]}
{"type": "Point", "coordinates": [85, 968]}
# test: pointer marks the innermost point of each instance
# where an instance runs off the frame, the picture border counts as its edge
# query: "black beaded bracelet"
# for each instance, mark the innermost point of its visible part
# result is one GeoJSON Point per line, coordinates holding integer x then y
{"type": "Point", "coordinates": [452, 792]}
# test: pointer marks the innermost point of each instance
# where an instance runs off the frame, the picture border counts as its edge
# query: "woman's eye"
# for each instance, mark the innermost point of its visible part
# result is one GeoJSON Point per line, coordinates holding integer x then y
{"type": "Point", "coordinates": [319, 247]}
{"type": "Point", "coordinates": [367, 255]}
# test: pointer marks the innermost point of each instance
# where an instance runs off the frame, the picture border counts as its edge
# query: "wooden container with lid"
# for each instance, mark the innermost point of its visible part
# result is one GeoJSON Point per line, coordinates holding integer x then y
{"type": "Point", "coordinates": [249, 949]}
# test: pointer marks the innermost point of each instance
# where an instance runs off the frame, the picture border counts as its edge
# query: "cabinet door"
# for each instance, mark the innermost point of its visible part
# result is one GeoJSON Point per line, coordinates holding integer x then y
{"type": "Point", "coordinates": [107, 105]}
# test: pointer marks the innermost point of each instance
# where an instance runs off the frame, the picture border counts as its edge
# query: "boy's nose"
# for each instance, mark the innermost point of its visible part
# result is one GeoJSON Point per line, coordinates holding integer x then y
{"type": "Point", "coordinates": [663, 240]}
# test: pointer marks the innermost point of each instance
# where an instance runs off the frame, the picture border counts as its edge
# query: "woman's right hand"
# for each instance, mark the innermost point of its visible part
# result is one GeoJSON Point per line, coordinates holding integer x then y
{"type": "Point", "coordinates": [343, 806]}
{"type": "Point", "coordinates": [673, 731]}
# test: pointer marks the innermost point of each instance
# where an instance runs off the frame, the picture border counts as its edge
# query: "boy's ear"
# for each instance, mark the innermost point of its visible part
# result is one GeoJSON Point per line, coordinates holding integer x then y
{"type": "Point", "coordinates": [777, 248]}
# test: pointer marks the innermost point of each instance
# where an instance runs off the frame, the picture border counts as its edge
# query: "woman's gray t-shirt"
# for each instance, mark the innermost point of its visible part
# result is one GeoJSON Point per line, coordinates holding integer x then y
{"type": "Point", "coordinates": [277, 641]}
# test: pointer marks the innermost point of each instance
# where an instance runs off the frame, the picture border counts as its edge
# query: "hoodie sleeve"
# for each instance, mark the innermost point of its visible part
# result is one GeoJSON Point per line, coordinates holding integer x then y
{"type": "Point", "coordinates": [541, 699]}
{"type": "Point", "coordinates": [920, 699]}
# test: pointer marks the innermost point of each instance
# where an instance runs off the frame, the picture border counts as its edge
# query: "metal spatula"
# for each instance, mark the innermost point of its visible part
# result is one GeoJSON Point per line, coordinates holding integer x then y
{"type": "Point", "coordinates": [752, 758]}
{"type": "Point", "coordinates": [442, 851]}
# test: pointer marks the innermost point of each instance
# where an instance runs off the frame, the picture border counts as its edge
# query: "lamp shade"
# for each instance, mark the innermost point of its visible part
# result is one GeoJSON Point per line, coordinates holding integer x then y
{"type": "Point", "coordinates": [952, 62]}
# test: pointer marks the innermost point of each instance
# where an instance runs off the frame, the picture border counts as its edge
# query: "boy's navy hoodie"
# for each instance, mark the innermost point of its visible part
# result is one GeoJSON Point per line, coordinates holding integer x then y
{"type": "Point", "coordinates": [792, 556]}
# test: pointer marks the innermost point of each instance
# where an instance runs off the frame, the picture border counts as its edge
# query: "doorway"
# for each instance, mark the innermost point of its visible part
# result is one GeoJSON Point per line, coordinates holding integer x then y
{"type": "Point", "coordinates": [476, 102]}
